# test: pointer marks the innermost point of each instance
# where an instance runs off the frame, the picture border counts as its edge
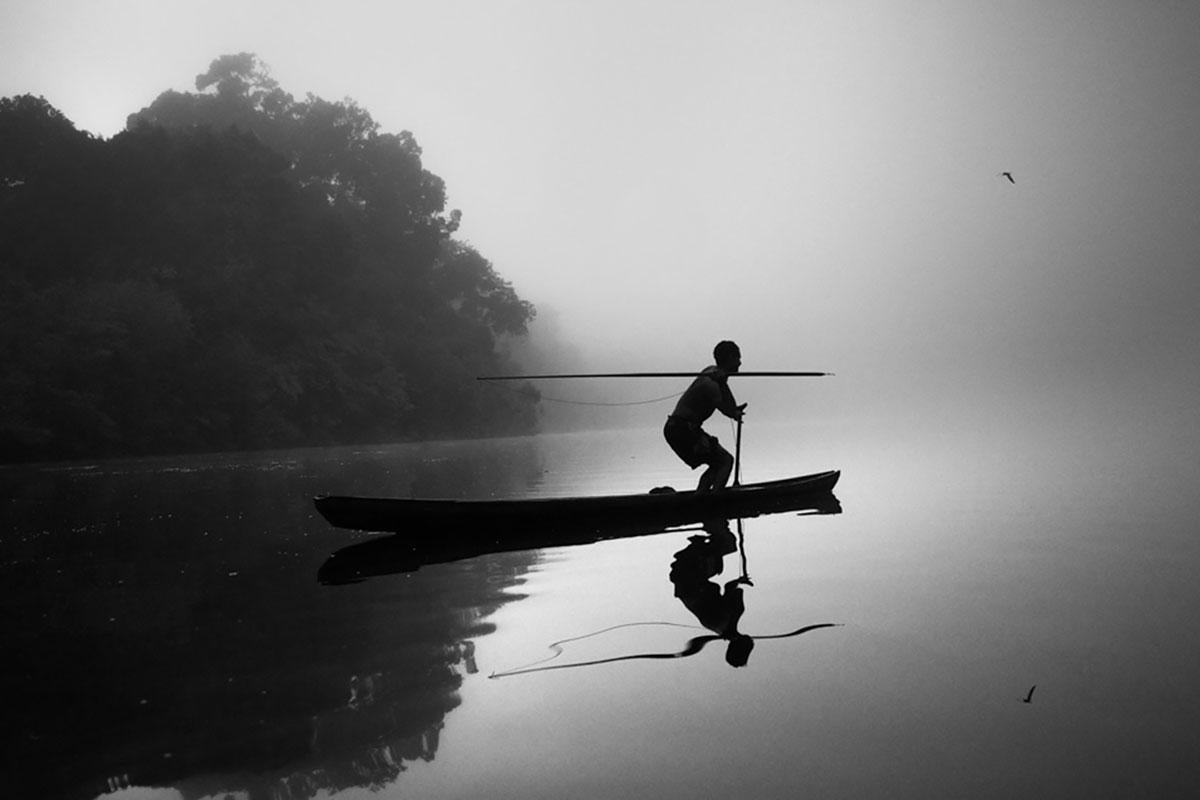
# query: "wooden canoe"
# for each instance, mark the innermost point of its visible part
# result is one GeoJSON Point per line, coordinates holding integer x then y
{"type": "Point", "coordinates": [428, 532]}
{"type": "Point", "coordinates": [653, 508]}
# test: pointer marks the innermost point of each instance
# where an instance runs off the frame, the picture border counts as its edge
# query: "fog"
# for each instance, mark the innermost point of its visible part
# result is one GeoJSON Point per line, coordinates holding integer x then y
{"type": "Point", "coordinates": [819, 182]}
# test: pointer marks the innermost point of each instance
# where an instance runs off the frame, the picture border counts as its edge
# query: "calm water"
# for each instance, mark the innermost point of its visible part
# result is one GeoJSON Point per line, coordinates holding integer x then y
{"type": "Point", "coordinates": [166, 636]}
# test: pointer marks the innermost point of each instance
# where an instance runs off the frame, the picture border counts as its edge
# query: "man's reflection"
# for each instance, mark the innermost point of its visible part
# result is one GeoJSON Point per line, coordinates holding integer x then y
{"type": "Point", "coordinates": [717, 608]}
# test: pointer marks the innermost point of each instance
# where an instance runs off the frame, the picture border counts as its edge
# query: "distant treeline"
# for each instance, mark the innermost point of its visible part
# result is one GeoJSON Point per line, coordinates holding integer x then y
{"type": "Point", "coordinates": [236, 270]}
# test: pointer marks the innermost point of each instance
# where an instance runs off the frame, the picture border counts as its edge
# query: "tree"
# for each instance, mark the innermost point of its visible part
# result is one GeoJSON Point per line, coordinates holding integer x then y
{"type": "Point", "coordinates": [33, 134]}
{"type": "Point", "coordinates": [238, 269]}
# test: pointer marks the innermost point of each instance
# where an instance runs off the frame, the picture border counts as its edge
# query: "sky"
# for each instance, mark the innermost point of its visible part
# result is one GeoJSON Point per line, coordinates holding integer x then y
{"type": "Point", "coordinates": [819, 181]}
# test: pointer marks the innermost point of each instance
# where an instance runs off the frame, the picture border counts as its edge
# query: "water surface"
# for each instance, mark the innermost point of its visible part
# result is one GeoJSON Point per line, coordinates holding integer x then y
{"type": "Point", "coordinates": [170, 638]}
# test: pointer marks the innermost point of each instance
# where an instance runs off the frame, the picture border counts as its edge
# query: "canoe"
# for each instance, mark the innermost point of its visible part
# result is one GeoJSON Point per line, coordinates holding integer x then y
{"type": "Point", "coordinates": [428, 532]}
{"type": "Point", "coordinates": [663, 508]}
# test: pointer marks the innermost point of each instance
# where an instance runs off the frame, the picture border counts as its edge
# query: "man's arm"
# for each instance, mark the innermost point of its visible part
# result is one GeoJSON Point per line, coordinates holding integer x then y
{"type": "Point", "coordinates": [725, 402]}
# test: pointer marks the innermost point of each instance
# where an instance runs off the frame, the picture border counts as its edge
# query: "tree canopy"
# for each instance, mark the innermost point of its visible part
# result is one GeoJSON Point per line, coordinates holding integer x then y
{"type": "Point", "coordinates": [238, 269]}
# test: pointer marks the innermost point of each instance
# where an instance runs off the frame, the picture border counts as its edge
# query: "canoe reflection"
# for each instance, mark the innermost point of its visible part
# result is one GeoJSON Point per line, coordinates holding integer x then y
{"type": "Point", "coordinates": [390, 554]}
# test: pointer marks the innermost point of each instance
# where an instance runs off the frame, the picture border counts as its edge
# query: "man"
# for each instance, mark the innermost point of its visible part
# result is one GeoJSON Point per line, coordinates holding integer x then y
{"type": "Point", "coordinates": [709, 392]}
{"type": "Point", "coordinates": [719, 610]}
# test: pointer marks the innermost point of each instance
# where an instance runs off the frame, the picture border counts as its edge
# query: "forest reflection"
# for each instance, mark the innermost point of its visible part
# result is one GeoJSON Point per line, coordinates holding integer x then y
{"type": "Point", "coordinates": [164, 628]}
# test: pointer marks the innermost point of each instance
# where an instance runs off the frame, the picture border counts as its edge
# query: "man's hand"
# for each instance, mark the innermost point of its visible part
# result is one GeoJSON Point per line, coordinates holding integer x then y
{"type": "Point", "coordinates": [741, 410]}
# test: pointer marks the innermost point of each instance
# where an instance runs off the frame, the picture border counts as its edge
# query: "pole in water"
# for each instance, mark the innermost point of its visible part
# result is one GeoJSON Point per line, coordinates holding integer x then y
{"type": "Point", "coordinates": [742, 551]}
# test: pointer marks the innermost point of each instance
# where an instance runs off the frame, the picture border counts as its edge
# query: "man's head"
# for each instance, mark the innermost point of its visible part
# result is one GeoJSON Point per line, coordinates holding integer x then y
{"type": "Point", "coordinates": [738, 651]}
{"type": "Point", "coordinates": [728, 356]}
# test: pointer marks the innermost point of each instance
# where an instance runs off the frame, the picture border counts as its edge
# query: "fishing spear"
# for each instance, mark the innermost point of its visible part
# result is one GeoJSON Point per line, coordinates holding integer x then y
{"type": "Point", "coordinates": [748, 374]}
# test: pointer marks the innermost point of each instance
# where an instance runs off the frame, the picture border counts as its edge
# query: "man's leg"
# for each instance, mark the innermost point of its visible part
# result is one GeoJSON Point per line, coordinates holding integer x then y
{"type": "Point", "coordinates": [720, 467]}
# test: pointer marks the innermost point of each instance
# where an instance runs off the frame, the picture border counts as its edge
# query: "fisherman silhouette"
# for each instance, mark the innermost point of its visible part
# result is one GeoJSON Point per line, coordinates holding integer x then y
{"type": "Point", "coordinates": [717, 608]}
{"type": "Point", "coordinates": [708, 393]}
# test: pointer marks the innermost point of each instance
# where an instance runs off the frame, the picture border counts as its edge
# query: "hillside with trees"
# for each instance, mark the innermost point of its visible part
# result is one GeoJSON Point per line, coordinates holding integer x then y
{"type": "Point", "coordinates": [238, 269]}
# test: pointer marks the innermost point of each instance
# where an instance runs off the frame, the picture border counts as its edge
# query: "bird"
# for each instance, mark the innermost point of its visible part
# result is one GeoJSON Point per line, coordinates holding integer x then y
{"type": "Point", "coordinates": [1029, 696]}
{"type": "Point", "coordinates": [1009, 176]}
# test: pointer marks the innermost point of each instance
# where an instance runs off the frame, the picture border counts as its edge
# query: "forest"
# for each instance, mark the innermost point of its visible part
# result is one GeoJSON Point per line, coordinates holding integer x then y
{"type": "Point", "coordinates": [239, 269]}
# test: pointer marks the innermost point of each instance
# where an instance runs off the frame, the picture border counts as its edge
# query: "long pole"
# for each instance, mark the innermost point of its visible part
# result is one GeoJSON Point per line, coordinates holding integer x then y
{"type": "Point", "coordinates": [737, 455]}
{"type": "Point", "coordinates": [751, 374]}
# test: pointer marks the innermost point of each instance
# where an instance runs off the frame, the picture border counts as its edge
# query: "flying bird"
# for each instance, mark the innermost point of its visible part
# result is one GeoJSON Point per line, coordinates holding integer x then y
{"type": "Point", "coordinates": [1029, 697]}
{"type": "Point", "coordinates": [1009, 176]}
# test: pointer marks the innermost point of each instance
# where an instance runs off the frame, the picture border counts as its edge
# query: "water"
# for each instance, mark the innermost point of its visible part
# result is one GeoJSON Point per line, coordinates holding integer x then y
{"type": "Point", "coordinates": [167, 637]}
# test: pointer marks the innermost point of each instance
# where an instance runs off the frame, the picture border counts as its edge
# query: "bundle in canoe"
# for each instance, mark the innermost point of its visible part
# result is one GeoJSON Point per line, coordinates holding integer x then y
{"type": "Point", "coordinates": [669, 508]}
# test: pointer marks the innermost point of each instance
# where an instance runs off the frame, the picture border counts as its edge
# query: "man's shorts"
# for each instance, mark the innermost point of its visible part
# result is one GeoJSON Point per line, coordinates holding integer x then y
{"type": "Point", "coordinates": [691, 443]}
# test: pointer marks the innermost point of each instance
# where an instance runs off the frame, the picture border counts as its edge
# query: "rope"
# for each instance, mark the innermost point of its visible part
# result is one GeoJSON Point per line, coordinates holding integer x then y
{"type": "Point", "coordinates": [694, 646]}
{"type": "Point", "coordinates": [557, 650]}
{"type": "Point", "coordinates": [630, 403]}
{"type": "Point", "coordinates": [589, 402]}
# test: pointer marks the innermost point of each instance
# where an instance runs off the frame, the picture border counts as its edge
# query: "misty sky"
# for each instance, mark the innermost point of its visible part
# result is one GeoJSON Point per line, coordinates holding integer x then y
{"type": "Point", "coordinates": [817, 180]}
